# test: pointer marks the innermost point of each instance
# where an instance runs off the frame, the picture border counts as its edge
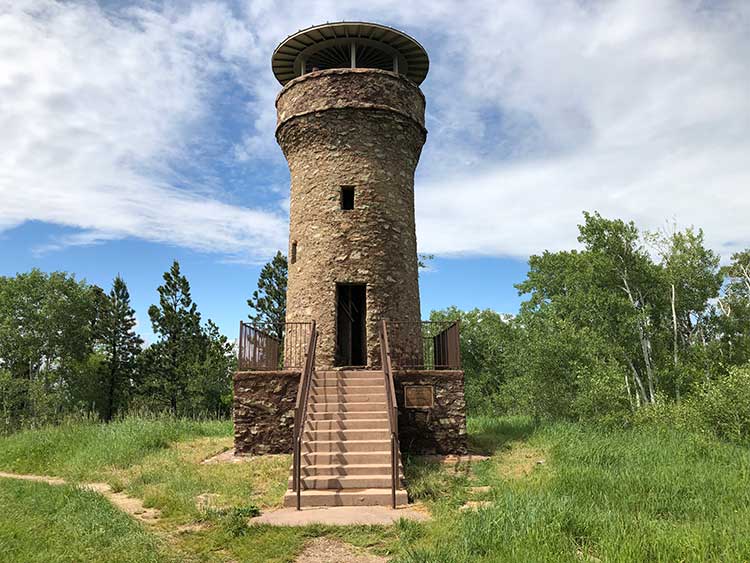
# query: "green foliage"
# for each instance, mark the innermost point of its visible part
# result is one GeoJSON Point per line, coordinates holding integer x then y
{"type": "Point", "coordinates": [423, 261]}
{"type": "Point", "coordinates": [46, 337]}
{"type": "Point", "coordinates": [734, 304]}
{"type": "Point", "coordinates": [210, 381]}
{"type": "Point", "coordinates": [177, 324]}
{"type": "Point", "coordinates": [608, 334]}
{"type": "Point", "coordinates": [486, 346]}
{"type": "Point", "coordinates": [725, 405]}
{"type": "Point", "coordinates": [189, 369]}
{"type": "Point", "coordinates": [601, 394]}
{"type": "Point", "coordinates": [120, 346]}
{"type": "Point", "coordinates": [606, 330]}
{"type": "Point", "coordinates": [46, 323]}
{"type": "Point", "coordinates": [268, 302]}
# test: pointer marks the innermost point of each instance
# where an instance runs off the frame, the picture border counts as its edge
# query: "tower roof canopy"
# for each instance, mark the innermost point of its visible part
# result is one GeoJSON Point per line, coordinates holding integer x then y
{"type": "Point", "coordinates": [349, 45]}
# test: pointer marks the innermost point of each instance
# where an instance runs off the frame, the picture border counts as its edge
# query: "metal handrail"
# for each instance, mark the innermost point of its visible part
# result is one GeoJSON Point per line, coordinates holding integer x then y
{"type": "Point", "coordinates": [390, 393]}
{"type": "Point", "coordinates": [300, 413]}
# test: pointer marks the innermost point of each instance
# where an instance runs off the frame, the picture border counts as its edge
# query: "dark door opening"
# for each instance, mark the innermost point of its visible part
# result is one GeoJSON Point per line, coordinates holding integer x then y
{"type": "Point", "coordinates": [350, 325]}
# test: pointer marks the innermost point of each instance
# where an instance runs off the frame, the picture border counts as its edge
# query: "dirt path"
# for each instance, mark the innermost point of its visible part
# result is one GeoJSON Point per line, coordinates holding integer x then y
{"type": "Point", "coordinates": [333, 551]}
{"type": "Point", "coordinates": [129, 505]}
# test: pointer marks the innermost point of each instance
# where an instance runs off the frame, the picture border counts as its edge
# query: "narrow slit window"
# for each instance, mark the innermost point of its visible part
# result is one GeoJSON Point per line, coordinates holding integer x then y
{"type": "Point", "coordinates": [347, 197]}
{"type": "Point", "coordinates": [293, 253]}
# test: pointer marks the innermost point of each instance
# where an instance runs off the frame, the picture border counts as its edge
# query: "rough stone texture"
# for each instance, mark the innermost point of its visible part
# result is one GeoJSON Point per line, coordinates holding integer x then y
{"type": "Point", "coordinates": [361, 128]}
{"type": "Point", "coordinates": [264, 411]}
{"type": "Point", "coordinates": [441, 429]}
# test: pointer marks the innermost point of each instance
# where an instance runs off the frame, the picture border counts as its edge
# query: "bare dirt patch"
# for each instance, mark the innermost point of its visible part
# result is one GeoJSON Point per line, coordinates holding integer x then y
{"type": "Point", "coordinates": [332, 551]}
{"type": "Point", "coordinates": [480, 490]}
{"type": "Point", "coordinates": [230, 456]}
{"type": "Point", "coordinates": [39, 478]}
{"type": "Point", "coordinates": [455, 459]}
{"type": "Point", "coordinates": [227, 456]}
{"type": "Point", "coordinates": [520, 461]}
{"type": "Point", "coordinates": [475, 505]}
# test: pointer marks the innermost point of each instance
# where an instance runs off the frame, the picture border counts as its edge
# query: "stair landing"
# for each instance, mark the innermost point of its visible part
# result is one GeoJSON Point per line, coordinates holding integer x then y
{"type": "Point", "coordinates": [346, 447]}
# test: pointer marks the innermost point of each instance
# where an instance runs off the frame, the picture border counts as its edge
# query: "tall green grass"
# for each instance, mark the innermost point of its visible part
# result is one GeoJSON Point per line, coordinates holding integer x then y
{"type": "Point", "coordinates": [649, 494]}
{"type": "Point", "coordinates": [557, 492]}
{"type": "Point", "coordinates": [40, 523]}
{"type": "Point", "coordinates": [82, 450]}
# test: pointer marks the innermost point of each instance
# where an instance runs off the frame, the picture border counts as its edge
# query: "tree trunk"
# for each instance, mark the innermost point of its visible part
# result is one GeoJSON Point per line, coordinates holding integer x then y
{"type": "Point", "coordinates": [645, 343]}
{"type": "Point", "coordinates": [110, 395]}
{"type": "Point", "coordinates": [639, 383]}
{"type": "Point", "coordinates": [630, 394]}
{"type": "Point", "coordinates": [674, 331]}
{"type": "Point", "coordinates": [745, 276]}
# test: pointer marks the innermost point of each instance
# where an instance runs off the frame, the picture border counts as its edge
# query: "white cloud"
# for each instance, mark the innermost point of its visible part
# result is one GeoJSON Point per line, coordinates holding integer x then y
{"type": "Point", "coordinates": [100, 115]}
{"type": "Point", "coordinates": [639, 110]}
{"type": "Point", "coordinates": [536, 110]}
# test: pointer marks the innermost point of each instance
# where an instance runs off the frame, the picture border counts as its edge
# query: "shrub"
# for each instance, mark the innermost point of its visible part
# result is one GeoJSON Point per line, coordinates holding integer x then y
{"type": "Point", "coordinates": [721, 407]}
{"type": "Point", "coordinates": [725, 405]}
{"type": "Point", "coordinates": [681, 416]}
{"type": "Point", "coordinates": [602, 395]}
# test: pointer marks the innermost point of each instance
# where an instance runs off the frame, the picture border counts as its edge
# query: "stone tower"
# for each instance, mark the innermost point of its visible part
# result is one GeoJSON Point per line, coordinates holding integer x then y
{"type": "Point", "coordinates": [351, 125]}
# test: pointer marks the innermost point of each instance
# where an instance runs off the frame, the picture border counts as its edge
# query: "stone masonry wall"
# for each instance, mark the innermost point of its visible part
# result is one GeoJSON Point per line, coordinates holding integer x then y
{"type": "Point", "coordinates": [441, 429]}
{"type": "Point", "coordinates": [264, 411]}
{"type": "Point", "coordinates": [361, 128]}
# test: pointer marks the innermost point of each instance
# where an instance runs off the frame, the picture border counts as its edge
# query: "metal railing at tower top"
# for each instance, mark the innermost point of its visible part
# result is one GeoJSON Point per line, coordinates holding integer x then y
{"type": "Point", "coordinates": [266, 347]}
{"type": "Point", "coordinates": [424, 345]}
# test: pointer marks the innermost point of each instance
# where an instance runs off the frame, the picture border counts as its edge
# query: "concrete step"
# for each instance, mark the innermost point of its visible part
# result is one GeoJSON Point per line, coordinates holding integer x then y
{"type": "Point", "coordinates": [349, 390]}
{"type": "Point", "coordinates": [347, 407]}
{"type": "Point", "coordinates": [346, 435]}
{"type": "Point", "coordinates": [346, 497]}
{"type": "Point", "coordinates": [346, 375]}
{"type": "Point", "coordinates": [345, 458]}
{"type": "Point", "coordinates": [338, 482]}
{"type": "Point", "coordinates": [352, 469]}
{"type": "Point", "coordinates": [348, 424]}
{"type": "Point", "coordinates": [322, 446]}
{"type": "Point", "coordinates": [347, 383]}
{"type": "Point", "coordinates": [345, 416]}
{"type": "Point", "coordinates": [377, 397]}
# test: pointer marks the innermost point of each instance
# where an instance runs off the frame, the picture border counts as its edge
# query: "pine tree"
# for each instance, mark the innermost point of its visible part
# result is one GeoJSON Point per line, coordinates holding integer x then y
{"type": "Point", "coordinates": [269, 300]}
{"type": "Point", "coordinates": [120, 346]}
{"type": "Point", "coordinates": [210, 385]}
{"type": "Point", "coordinates": [176, 322]}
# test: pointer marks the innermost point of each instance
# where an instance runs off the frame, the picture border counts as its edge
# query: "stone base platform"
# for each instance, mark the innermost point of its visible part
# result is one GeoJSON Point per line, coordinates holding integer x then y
{"type": "Point", "coordinates": [264, 411]}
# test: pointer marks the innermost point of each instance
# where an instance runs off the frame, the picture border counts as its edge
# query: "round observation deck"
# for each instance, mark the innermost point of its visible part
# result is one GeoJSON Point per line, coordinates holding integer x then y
{"type": "Point", "coordinates": [349, 45]}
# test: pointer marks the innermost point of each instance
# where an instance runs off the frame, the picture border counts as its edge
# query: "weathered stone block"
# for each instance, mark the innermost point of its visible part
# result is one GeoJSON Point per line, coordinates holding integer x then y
{"type": "Point", "coordinates": [437, 430]}
{"type": "Point", "coordinates": [263, 407]}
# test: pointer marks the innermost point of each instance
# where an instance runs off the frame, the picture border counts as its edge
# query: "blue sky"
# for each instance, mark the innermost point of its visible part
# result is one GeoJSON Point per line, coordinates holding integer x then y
{"type": "Point", "coordinates": [132, 134]}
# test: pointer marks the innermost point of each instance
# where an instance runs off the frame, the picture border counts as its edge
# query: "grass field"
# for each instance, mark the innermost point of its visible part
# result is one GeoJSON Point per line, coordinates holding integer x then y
{"type": "Point", "coordinates": [559, 492]}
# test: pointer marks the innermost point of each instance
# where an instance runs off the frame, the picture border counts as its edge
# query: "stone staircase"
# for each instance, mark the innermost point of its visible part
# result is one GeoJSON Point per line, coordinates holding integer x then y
{"type": "Point", "coordinates": [346, 443]}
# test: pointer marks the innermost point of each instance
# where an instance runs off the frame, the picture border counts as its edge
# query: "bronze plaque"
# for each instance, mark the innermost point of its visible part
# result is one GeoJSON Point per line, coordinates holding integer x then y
{"type": "Point", "coordinates": [418, 396]}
